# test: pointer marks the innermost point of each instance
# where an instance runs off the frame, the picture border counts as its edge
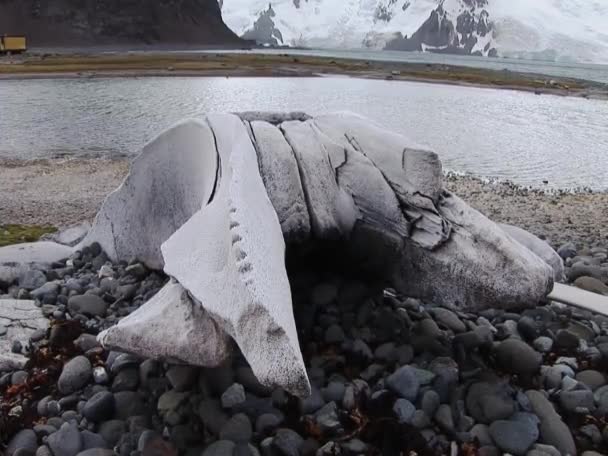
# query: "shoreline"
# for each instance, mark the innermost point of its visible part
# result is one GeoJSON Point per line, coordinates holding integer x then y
{"type": "Point", "coordinates": [62, 192]}
{"type": "Point", "coordinates": [189, 64]}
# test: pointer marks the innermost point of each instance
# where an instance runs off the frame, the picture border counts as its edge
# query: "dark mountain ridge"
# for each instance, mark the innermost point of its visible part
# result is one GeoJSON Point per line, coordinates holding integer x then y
{"type": "Point", "coordinates": [76, 23]}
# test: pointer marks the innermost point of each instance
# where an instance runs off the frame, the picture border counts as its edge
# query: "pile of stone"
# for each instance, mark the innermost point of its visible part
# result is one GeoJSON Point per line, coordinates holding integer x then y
{"type": "Point", "coordinates": [389, 375]}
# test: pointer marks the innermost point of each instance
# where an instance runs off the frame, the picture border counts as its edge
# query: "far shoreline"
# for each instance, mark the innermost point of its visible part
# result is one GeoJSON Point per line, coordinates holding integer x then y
{"type": "Point", "coordinates": [209, 64]}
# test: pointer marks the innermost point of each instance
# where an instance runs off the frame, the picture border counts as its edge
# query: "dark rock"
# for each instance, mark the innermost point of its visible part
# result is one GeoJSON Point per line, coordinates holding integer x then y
{"type": "Point", "coordinates": [518, 357]}
{"type": "Point", "coordinates": [126, 380]}
{"type": "Point", "coordinates": [327, 418]}
{"type": "Point", "coordinates": [112, 430]}
{"type": "Point", "coordinates": [137, 270]}
{"type": "Point", "coordinates": [233, 396]}
{"type": "Point", "coordinates": [553, 430]}
{"type": "Point", "coordinates": [404, 410]}
{"type": "Point", "coordinates": [92, 440]}
{"type": "Point", "coordinates": [88, 304]}
{"type": "Point", "coordinates": [129, 403]}
{"type": "Point", "coordinates": [181, 378]}
{"type": "Point", "coordinates": [324, 294]}
{"type": "Point", "coordinates": [420, 420]}
{"type": "Point", "coordinates": [488, 402]}
{"type": "Point", "coordinates": [312, 403]}
{"type": "Point", "coordinates": [513, 437]}
{"type": "Point", "coordinates": [288, 442]}
{"type": "Point", "coordinates": [482, 433]}
{"type": "Point", "coordinates": [591, 378]}
{"type": "Point", "coordinates": [267, 423]}
{"type": "Point", "coordinates": [26, 439]}
{"type": "Point", "coordinates": [99, 407]}
{"type": "Point", "coordinates": [444, 418]}
{"type": "Point", "coordinates": [212, 415]}
{"type": "Point", "coordinates": [334, 335]}
{"type": "Point", "coordinates": [246, 377]}
{"type": "Point", "coordinates": [334, 392]}
{"type": "Point", "coordinates": [430, 402]}
{"type": "Point", "coordinates": [577, 401]}
{"type": "Point", "coordinates": [67, 441]}
{"type": "Point", "coordinates": [19, 377]}
{"type": "Point", "coordinates": [543, 344]}
{"type": "Point", "coordinates": [96, 452]}
{"type": "Point", "coordinates": [449, 319]}
{"type": "Point", "coordinates": [43, 430]}
{"type": "Point", "coordinates": [220, 448]}
{"type": "Point", "coordinates": [237, 429]}
{"type": "Point", "coordinates": [404, 382]}
{"type": "Point", "coordinates": [75, 374]}
{"type": "Point", "coordinates": [86, 342]}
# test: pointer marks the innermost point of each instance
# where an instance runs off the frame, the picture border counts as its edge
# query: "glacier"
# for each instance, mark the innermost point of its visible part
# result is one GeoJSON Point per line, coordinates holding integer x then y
{"type": "Point", "coordinates": [557, 30]}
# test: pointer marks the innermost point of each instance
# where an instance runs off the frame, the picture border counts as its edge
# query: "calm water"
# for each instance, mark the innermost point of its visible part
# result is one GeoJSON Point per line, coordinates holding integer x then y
{"type": "Point", "coordinates": [488, 132]}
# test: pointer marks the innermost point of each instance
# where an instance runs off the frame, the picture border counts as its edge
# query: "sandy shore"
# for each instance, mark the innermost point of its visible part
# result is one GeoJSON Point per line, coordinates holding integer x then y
{"type": "Point", "coordinates": [63, 192]}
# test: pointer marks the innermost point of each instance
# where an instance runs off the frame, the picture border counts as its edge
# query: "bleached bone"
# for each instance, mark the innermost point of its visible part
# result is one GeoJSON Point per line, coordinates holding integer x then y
{"type": "Point", "coordinates": [222, 195]}
{"type": "Point", "coordinates": [230, 256]}
{"type": "Point", "coordinates": [539, 247]}
{"type": "Point", "coordinates": [172, 178]}
{"type": "Point", "coordinates": [170, 315]}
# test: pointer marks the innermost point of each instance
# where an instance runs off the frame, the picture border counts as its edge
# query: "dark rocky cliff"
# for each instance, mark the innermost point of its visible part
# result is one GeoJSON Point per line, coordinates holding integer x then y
{"type": "Point", "coordinates": [76, 23]}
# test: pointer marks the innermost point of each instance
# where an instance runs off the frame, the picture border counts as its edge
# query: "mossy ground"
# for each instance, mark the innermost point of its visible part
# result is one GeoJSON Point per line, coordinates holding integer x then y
{"type": "Point", "coordinates": [14, 234]}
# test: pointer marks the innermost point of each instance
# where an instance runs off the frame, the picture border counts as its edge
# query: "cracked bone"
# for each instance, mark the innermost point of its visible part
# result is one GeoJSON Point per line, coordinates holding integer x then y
{"type": "Point", "coordinates": [232, 189]}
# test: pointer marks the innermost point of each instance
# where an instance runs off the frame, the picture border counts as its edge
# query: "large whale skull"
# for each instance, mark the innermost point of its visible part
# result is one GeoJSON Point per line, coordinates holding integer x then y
{"type": "Point", "coordinates": [213, 201]}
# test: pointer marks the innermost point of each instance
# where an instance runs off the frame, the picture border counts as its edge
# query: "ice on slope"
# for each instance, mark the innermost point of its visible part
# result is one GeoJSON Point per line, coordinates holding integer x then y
{"type": "Point", "coordinates": [550, 29]}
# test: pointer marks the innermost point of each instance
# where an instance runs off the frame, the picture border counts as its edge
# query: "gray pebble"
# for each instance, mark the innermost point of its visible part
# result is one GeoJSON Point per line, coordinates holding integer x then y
{"type": "Point", "coordinates": [518, 357]}
{"type": "Point", "coordinates": [220, 448]}
{"type": "Point", "coordinates": [99, 407]}
{"type": "Point", "coordinates": [404, 410]}
{"type": "Point", "coordinates": [67, 441]}
{"type": "Point", "coordinates": [233, 396]}
{"type": "Point", "coordinates": [430, 402]}
{"type": "Point", "coordinates": [404, 382]}
{"type": "Point", "coordinates": [237, 429]}
{"type": "Point", "coordinates": [513, 437]}
{"type": "Point", "coordinates": [75, 374]}
{"type": "Point", "coordinates": [181, 378]}
{"type": "Point", "coordinates": [543, 344]}
{"type": "Point", "coordinates": [25, 438]}
{"type": "Point", "coordinates": [288, 442]}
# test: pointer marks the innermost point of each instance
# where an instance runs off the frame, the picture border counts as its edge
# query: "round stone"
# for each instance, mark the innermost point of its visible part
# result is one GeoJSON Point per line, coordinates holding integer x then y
{"type": "Point", "coordinates": [99, 407]}
{"type": "Point", "coordinates": [67, 441]}
{"type": "Point", "coordinates": [25, 439]}
{"type": "Point", "coordinates": [220, 448]}
{"type": "Point", "coordinates": [88, 304]}
{"type": "Point", "coordinates": [404, 382]}
{"type": "Point", "coordinates": [288, 442]}
{"type": "Point", "coordinates": [514, 437]}
{"type": "Point", "coordinates": [75, 374]}
{"type": "Point", "coordinates": [518, 357]}
{"type": "Point", "coordinates": [233, 396]}
{"type": "Point", "coordinates": [237, 429]}
{"type": "Point", "coordinates": [404, 410]}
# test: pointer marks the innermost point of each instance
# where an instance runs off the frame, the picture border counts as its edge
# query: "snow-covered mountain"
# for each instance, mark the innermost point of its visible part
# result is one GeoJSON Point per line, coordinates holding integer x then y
{"type": "Point", "coordinates": [565, 30]}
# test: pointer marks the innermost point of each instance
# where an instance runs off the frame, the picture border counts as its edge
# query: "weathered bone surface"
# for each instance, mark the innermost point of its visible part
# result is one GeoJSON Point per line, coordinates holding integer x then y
{"type": "Point", "coordinates": [539, 247]}
{"type": "Point", "coordinates": [213, 202]}
{"type": "Point", "coordinates": [170, 180]}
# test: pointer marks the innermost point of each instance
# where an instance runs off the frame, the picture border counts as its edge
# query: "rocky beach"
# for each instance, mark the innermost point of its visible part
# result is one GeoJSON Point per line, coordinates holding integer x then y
{"type": "Point", "coordinates": [389, 374]}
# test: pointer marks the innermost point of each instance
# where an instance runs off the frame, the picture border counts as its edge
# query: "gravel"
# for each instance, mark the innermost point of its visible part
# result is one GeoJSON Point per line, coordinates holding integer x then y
{"type": "Point", "coordinates": [389, 374]}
